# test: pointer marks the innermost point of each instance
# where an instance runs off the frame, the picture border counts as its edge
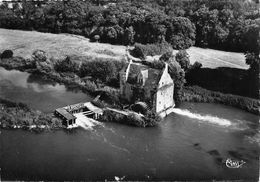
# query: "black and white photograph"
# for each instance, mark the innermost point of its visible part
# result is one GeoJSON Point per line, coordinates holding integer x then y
{"type": "Point", "coordinates": [130, 90]}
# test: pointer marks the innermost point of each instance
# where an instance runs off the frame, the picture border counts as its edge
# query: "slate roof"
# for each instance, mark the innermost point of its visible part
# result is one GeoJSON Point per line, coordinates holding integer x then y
{"type": "Point", "coordinates": [154, 75]}
{"type": "Point", "coordinates": [93, 108]}
{"type": "Point", "coordinates": [65, 113]}
{"type": "Point", "coordinates": [74, 107]}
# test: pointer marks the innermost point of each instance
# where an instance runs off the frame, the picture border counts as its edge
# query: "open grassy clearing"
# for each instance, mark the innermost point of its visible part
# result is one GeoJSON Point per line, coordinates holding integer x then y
{"type": "Point", "coordinates": [23, 43]}
{"type": "Point", "coordinates": [214, 58]}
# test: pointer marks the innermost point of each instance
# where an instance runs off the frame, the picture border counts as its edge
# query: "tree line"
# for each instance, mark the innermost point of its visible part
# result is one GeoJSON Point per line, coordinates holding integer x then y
{"type": "Point", "coordinates": [229, 25]}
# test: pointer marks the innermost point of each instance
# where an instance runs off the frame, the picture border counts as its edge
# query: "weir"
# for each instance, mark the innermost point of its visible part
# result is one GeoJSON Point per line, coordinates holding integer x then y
{"type": "Point", "coordinates": [85, 122]}
{"type": "Point", "coordinates": [208, 118]}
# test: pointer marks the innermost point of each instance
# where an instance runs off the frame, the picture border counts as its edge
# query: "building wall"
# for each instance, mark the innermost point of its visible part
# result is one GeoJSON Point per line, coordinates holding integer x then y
{"type": "Point", "coordinates": [128, 91]}
{"type": "Point", "coordinates": [164, 99]}
{"type": "Point", "coordinates": [164, 95]}
{"type": "Point", "coordinates": [158, 95]}
{"type": "Point", "coordinates": [122, 82]}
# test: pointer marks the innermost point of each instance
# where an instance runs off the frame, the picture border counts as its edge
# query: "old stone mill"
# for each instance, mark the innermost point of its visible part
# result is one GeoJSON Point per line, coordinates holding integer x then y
{"type": "Point", "coordinates": [140, 85]}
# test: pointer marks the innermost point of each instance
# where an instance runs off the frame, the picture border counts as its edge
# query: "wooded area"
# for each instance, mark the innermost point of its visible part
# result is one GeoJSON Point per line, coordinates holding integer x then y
{"type": "Point", "coordinates": [229, 25]}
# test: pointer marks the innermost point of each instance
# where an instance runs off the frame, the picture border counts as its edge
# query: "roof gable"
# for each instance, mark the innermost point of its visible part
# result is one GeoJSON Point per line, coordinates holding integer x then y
{"type": "Point", "coordinates": [165, 78]}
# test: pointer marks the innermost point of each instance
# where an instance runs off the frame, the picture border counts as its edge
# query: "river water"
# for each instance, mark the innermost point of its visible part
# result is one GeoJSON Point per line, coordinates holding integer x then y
{"type": "Point", "coordinates": [192, 143]}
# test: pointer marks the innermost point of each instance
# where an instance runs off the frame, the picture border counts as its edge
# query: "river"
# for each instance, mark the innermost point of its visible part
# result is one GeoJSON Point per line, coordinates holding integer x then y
{"type": "Point", "coordinates": [193, 143]}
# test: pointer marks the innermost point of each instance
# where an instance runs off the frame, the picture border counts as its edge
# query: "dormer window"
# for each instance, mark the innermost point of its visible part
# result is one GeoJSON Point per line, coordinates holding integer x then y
{"type": "Point", "coordinates": [140, 80]}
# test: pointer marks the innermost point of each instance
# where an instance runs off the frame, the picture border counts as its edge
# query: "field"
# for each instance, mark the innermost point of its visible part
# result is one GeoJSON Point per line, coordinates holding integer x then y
{"type": "Point", "coordinates": [23, 43]}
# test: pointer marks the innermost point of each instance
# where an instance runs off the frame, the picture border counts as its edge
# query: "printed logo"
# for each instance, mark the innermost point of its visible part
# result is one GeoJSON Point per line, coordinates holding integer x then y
{"type": "Point", "coordinates": [234, 163]}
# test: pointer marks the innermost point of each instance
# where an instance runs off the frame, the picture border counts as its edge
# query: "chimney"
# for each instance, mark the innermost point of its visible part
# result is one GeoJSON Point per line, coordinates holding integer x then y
{"type": "Point", "coordinates": [166, 68]}
{"type": "Point", "coordinates": [127, 70]}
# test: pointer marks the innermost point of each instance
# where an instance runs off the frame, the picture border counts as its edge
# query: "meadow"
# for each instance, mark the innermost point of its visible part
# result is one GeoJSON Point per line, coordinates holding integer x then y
{"type": "Point", "coordinates": [23, 43]}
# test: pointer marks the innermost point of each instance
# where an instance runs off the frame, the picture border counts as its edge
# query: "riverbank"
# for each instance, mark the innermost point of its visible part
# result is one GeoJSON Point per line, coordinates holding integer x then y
{"type": "Point", "coordinates": [110, 96]}
{"type": "Point", "coordinates": [198, 94]}
{"type": "Point", "coordinates": [15, 115]}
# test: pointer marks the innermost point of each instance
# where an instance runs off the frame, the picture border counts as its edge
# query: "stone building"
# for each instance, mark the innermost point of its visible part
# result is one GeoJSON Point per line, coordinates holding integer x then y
{"type": "Point", "coordinates": [155, 87]}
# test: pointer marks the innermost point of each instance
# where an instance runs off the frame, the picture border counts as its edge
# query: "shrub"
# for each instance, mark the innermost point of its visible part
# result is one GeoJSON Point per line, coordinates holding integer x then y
{"type": "Point", "coordinates": [141, 50]}
{"type": "Point", "coordinates": [39, 55]}
{"type": "Point", "coordinates": [40, 59]}
{"type": "Point", "coordinates": [9, 103]}
{"type": "Point", "coordinates": [110, 95]}
{"type": "Point", "coordinates": [67, 65]}
{"type": "Point", "coordinates": [135, 119]}
{"type": "Point", "coordinates": [198, 94]}
{"type": "Point", "coordinates": [102, 69]}
{"type": "Point", "coordinates": [7, 54]}
{"type": "Point", "coordinates": [196, 65]}
{"type": "Point", "coordinates": [166, 56]}
{"type": "Point", "coordinates": [110, 116]}
{"type": "Point", "coordinates": [182, 58]}
{"type": "Point", "coordinates": [91, 86]}
{"type": "Point", "coordinates": [128, 37]}
{"type": "Point", "coordinates": [106, 52]}
{"type": "Point", "coordinates": [152, 118]}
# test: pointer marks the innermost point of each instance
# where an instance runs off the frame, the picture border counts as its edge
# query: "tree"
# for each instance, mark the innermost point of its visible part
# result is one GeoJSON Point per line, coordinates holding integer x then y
{"type": "Point", "coordinates": [180, 33]}
{"type": "Point", "coordinates": [54, 17]}
{"type": "Point", "coordinates": [182, 58]}
{"type": "Point", "coordinates": [99, 69]}
{"type": "Point", "coordinates": [67, 65]}
{"type": "Point", "coordinates": [252, 56]}
{"type": "Point", "coordinates": [74, 14]}
{"type": "Point", "coordinates": [205, 22]}
{"type": "Point", "coordinates": [155, 25]}
{"type": "Point", "coordinates": [6, 54]}
{"type": "Point", "coordinates": [129, 34]}
{"type": "Point", "coordinates": [42, 62]}
{"type": "Point", "coordinates": [252, 36]}
{"type": "Point", "coordinates": [253, 74]}
{"type": "Point", "coordinates": [28, 10]}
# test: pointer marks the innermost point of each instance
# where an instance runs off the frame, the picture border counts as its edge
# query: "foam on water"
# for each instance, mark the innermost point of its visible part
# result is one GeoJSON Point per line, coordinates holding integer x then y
{"type": "Point", "coordinates": [207, 118]}
{"type": "Point", "coordinates": [85, 122]}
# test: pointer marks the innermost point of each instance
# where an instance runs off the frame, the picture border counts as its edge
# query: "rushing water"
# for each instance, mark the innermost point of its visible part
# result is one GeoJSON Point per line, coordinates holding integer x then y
{"type": "Point", "coordinates": [193, 143]}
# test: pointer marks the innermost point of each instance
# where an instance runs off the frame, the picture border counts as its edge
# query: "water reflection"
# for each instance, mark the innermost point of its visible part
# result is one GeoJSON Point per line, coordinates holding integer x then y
{"type": "Point", "coordinates": [40, 84]}
{"type": "Point", "coordinates": [36, 91]}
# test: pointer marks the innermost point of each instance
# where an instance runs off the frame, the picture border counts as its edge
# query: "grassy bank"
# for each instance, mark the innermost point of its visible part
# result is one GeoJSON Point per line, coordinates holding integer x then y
{"type": "Point", "coordinates": [198, 94]}
{"type": "Point", "coordinates": [19, 115]}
